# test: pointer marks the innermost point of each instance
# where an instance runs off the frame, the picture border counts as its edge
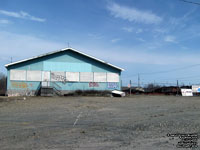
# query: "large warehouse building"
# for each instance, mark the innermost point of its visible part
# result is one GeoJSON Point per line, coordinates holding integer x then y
{"type": "Point", "coordinates": [62, 71]}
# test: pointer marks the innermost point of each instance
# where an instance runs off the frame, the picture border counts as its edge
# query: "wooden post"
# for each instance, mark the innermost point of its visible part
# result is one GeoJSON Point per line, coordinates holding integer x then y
{"type": "Point", "coordinates": [138, 80]}
{"type": "Point", "coordinates": [177, 88]}
{"type": "Point", "coordinates": [130, 87]}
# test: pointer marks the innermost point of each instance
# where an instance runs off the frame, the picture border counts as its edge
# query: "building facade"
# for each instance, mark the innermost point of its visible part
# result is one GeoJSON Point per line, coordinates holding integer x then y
{"type": "Point", "coordinates": [66, 70]}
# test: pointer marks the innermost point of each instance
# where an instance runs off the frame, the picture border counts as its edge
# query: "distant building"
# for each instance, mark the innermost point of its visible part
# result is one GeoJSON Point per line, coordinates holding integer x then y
{"type": "Point", "coordinates": [64, 71]}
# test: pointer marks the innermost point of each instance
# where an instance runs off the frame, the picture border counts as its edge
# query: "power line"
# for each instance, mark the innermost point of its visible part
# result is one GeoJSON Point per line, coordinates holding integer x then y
{"type": "Point", "coordinates": [169, 81]}
{"type": "Point", "coordinates": [172, 70]}
{"type": "Point", "coordinates": [180, 78]}
{"type": "Point", "coordinates": [164, 71]}
{"type": "Point", "coordinates": [190, 2]}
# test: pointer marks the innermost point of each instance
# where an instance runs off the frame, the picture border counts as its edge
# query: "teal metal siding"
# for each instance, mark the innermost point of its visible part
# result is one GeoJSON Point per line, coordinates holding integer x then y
{"type": "Point", "coordinates": [67, 61]}
{"type": "Point", "coordinates": [67, 66]}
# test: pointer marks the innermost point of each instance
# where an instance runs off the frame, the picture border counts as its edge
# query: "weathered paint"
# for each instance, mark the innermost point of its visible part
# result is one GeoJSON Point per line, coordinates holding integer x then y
{"type": "Point", "coordinates": [66, 61]}
{"type": "Point", "coordinates": [93, 84]}
{"type": "Point", "coordinates": [113, 85]}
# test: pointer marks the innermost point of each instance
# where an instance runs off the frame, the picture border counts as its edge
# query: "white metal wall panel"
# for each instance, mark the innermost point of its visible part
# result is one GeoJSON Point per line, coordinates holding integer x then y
{"type": "Point", "coordinates": [72, 76]}
{"type": "Point", "coordinates": [45, 76]}
{"type": "Point", "coordinates": [112, 77]}
{"type": "Point", "coordinates": [45, 83]}
{"type": "Point", "coordinates": [86, 76]}
{"type": "Point", "coordinates": [58, 76]}
{"type": "Point", "coordinates": [186, 92]}
{"type": "Point", "coordinates": [99, 77]}
{"type": "Point", "coordinates": [19, 75]}
{"type": "Point", "coordinates": [34, 75]}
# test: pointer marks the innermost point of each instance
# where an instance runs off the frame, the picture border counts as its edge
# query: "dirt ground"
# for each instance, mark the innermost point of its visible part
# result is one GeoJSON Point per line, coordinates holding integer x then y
{"type": "Point", "coordinates": [97, 123]}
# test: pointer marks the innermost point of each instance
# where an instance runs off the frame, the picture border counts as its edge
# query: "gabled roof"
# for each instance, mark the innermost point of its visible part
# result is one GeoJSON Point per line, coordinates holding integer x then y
{"type": "Point", "coordinates": [65, 49]}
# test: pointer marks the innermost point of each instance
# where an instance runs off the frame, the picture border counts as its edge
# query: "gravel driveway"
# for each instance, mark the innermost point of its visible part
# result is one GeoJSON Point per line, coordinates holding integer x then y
{"type": "Point", "coordinates": [97, 123]}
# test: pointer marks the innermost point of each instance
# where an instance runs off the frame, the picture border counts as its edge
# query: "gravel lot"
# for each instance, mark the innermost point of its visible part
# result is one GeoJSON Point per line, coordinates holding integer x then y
{"type": "Point", "coordinates": [97, 123]}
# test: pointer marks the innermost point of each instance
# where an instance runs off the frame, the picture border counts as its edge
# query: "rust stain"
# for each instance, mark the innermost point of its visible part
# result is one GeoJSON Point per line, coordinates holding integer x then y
{"type": "Point", "coordinates": [19, 85]}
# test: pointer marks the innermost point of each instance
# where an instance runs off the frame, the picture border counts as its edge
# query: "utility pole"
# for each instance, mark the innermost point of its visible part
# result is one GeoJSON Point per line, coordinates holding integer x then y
{"type": "Point", "coordinates": [11, 59]}
{"type": "Point", "coordinates": [138, 80]}
{"type": "Point", "coordinates": [130, 87]}
{"type": "Point", "coordinates": [177, 88]}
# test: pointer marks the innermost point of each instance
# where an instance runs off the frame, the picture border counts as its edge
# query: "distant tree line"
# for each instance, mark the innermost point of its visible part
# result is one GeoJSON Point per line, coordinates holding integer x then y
{"type": "Point", "coordinates": [3, 84]}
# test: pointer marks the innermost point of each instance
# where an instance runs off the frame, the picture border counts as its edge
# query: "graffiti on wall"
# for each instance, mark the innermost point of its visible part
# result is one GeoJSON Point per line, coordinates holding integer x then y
{"type": "Point", "coordinates": [22, 85]}
{"type": "Point", "coordinates": [113, 85]}
{"type": "Point", "coordinates": [59, 78]}
{"type": "Point", "coordinates": [93, 84]}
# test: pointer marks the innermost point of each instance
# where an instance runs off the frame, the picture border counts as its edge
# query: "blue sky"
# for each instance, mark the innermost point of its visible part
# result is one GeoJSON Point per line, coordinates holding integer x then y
{"type": "Point", "coordinates": [158, 39]}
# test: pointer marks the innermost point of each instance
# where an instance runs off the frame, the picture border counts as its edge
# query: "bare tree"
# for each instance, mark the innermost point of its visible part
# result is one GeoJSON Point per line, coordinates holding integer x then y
{"type": "Point", "coordinates": [151, 87]}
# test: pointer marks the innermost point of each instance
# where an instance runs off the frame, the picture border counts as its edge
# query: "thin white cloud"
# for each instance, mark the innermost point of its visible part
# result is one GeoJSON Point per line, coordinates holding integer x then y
{"type": "Point", "coordinates": [140, 39]}
{"type": "Point", "coordinates": [177, 25]}
{"type": "Point", "coordinates": [128, 29]}
{"type": "Point", "coordinates": [22, 15]}
{"type": "Point", "coordinates": [17, 45]}
{"type": "Point", "coordinates": [21, 46]}
{"type": "Point", "coordinates": [133, 14]}
{"type": "Point", "coordinates": [139, 56]}
{"type": "Point", "coordinates": [95, 36]}
{"type": "Point", "coordinates": [170, 38]}
{"type": "Point", "coordinates": [160, 30]}
{"type": "Point", "coordinates": [115, 40]}
{"type": "Point", "coordinates": [4, 21]}
{"type": "Point", "coordinates": [180, 22]}
{"type": "Point", "coordinates": [139, 31]}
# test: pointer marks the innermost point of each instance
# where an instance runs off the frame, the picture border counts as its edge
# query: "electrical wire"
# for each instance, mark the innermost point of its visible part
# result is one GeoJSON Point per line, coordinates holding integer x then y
{"type": "Point", "coordinates": [167, 71]}
{"type": "Point", "coordinates": [186, 1]}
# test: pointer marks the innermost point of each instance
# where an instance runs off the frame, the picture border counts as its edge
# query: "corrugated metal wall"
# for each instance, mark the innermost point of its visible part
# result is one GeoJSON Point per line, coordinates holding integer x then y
{"type": "Point", "coordinates": [77, 71]}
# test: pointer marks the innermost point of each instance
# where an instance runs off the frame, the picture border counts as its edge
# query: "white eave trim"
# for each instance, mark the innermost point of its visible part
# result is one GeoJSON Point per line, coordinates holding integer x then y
{"type": "Point", "coordinates": [65, 49]}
